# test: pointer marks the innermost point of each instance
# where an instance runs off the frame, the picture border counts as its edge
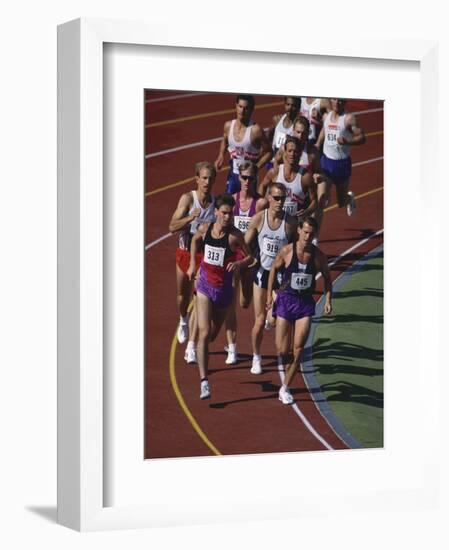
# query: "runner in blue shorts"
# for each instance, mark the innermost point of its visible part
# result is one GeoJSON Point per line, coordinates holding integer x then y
{"type": "Point", "coordinates": [338, 134]}
{"type": "Point", "coordinates": [244, 140]}
{"type": "Point", "coordinates": [219, 242]}
{"type": "Point", "coordinates": [294, 305]}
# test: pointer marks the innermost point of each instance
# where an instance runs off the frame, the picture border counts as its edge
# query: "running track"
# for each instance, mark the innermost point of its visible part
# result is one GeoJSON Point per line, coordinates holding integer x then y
{"type": "Point", "coordinates": [244, 415]}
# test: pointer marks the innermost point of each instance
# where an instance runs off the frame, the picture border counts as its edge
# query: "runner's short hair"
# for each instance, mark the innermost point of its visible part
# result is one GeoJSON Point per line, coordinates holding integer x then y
{"type": "Point", "coordinates": [304, 121]}
{"type": "Point", "coordinates": [200, 165]}
{"type": "Point", "coordinates": [292, 139]}
{"type": "Point", "coordinates": [295, 98]}
{"type": "Point", "coordinates": [248, 165]}
{"type": "Point", "coordinates": [245, 97]}
{"type": "Point", "coordinates": [224, 199]}
{"type": "Point", "coordinates": [310, 220]}
{"type": "Point", "coordinates": [276, 185]}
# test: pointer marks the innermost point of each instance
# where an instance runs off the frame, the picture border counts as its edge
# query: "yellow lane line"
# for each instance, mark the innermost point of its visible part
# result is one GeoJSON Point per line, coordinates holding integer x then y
{"type": "Point", "coordinates": [182, 182]}
{"type": "Point", "coordinates": [357, 197]}
{"type": "Point", "coordinates": [178, 183]}
{"type": "Point", "coordinates": [206, 115]}
{"type": "Point", "coordinates": [181, 401]}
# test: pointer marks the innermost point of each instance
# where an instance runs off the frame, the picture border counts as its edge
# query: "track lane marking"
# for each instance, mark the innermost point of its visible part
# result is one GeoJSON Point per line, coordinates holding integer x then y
{"type": "Point", "coordinates": [207, 115]}
{"type": "Point", "coordinates": [182, 403]}
{"type": "Point", "coordinates": [216, 139]}
{"type": "Point", "coordinates": [170, 97]}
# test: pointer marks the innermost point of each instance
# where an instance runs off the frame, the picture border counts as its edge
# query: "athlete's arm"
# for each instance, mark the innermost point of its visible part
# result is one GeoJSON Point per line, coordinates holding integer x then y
{"type": "Point", "coordinates": [322, 265]}
{"type": "Point", "coordinates": [320, 140]}
{"type": "Point", "coordinates": [357, 134]}
{"type": "Point", "coordinates": [223, 145]}
{"type": "Point", "coordinates": [291, 227]}
{"type": "Point", "coordinates": [260, 140]}
{"type": "Point", "coordinates": [253, 228]}
{"type": "Point", "coordinates": [269, 177]}
{"type": "Point", "coordinates": [272, 128]}
{"type": "Point", "coordinates": [261, 204]}
{"type": "Point", "coordinates": [236, 240]}
{"type": "Point", "coordinates": [194, 249]}
{"type": "Point", "coordinates": [180, 217]}
{"type": "Point", "coordinates": [308, 181]}
{"type": "Point", "coordinates": [275, 267]}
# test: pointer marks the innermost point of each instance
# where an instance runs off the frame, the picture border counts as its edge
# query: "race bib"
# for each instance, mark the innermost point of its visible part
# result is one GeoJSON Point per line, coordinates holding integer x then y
{"type": "Point", "coordinates": [271, 247]}
{"type": "Point", "coordinates": [236, 164]}
{"type": "Point", "coordinates": [331, 137]}
{"type": "Point", "coordinates": [279, 140]}
{"type": "Point", "coordinates": [301, 281]}
{"type": "Point", "coordinates": [214, 255]}
{"type": "Point", "coordinates": [242, 223]}
{"type": "Point", "coordinates": [291, 207]}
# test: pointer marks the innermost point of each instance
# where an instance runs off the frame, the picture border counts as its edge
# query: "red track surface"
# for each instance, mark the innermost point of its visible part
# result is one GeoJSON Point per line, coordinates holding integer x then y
{"type": "Point", "coordinates": [244, 415]}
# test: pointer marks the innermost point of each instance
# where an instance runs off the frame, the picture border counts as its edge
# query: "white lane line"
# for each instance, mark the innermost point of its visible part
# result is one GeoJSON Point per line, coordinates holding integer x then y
{"type": "Point", "coordinates": [280, 367]}
{"type": "Point", "coordinates": [181, 148]}
{"type": "Point", "coordinates": [170, 97]}
{"type": "Point", "coordinates": [367, 111]}
{"type": "Point", "coordinates": [149, 245]}
{"type": "Point", "coordinates": [349, 250]}
{"type": "Point", "coordinates": [213, 140]}
{"type": "Point", "coordinates": [304, 420]}
{"type": "Point", "coordinates": [361, 163]}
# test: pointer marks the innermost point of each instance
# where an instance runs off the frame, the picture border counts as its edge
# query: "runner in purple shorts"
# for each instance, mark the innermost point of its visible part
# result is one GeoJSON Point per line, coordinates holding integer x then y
{"type": "Point", "coordinates": [338, 134]}
{"type": "Point", "coordinates": [294, 305]}
{"type": "Point", "coordinates": [219, 241]}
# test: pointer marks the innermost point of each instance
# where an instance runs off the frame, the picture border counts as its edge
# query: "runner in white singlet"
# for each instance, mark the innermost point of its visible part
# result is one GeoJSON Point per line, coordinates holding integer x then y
{"type": "Point", "coordinates": [338, 134]}
{"type": "Point", "coordinates": [243, 140]}
{"type": "Point", "coordinates": [282, 125]}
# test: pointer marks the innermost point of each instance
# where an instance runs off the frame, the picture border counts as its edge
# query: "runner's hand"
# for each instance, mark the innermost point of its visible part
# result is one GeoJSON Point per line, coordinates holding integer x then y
{"type": "Point", "coordinates": [232, 266]}
{"type": "Point", "coordinates": [191, 274]}
{"type": "Point", "coordinates": [328, 309]}
{"type": "Point", "coordinates": [219, 162]}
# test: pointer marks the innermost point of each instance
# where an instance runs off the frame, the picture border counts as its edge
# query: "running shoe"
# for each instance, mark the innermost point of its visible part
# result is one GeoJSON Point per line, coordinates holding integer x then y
{"type": "Point", "coordinates": [231, 359]}
{"type": "Point", "coordinates": [190, 356]}
{"type": "Point", "coordinates": [183, 333]}
{"type": "Point", "coordinates": [268, 325]}
{"type": "Point", "coordinates": [285, 396]}
{"type": "Point", "coordinates": [351, 204]}
{"type": "Point", "coordinates": [257, 365]}
{"type": "Point", "coordinates": [205, 391]}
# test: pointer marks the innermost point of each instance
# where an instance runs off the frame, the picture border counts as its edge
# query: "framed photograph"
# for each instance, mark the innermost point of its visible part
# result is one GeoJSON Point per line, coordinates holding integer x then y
{"type": "Point", "coordinates": [132, 429]}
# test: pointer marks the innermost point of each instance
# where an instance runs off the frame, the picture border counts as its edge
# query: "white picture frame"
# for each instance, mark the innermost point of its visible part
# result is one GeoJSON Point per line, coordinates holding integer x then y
{"type": "Point", "coordinates": [82, 490]}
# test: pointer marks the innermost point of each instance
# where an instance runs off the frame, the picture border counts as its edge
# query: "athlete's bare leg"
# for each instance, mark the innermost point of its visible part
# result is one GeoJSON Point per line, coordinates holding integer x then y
{"type": "Point", "coordinates": [183, 291]}
{"type": "Point", "coordinates": [204, 318]}
{"type": "Point", "coordinates": [260, 298]}
{"type": "Point", "coordinates": [302, 329]}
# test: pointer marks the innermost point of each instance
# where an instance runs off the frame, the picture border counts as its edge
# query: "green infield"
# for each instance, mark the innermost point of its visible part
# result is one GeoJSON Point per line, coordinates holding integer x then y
{"type": "Point", "coordinates": [348, 353]}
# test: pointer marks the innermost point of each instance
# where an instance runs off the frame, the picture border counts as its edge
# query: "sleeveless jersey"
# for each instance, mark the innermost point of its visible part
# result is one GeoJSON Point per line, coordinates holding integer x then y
{"type": "Point", "coordinates": [206, 215]}
{"type": "Point", "coordinates": [243, 217]}
{"type": "Point", "coordinates": [270, 241]}
{"type": "Point", "coordinates": [241, 150]}
{"type": "Point", "coordinates": [295, 194]}
{"type": "Point", "coordinates": [216, 256]}
{"type": "Point", "coordinates": [280, 134]}
{"type": "Point", "coordinates": [310, 111]}
{"type": "Point", "coordinates": [333, 129]}
{"type": "Point", "coordinates": [298, 278]}
{"type": "Point", "coordinates": [304, 163]}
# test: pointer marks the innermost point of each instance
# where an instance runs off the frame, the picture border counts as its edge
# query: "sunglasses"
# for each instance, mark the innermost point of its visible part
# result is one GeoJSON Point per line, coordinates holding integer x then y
{"type": "Point", "coordinates": [247, 178]}
{"type": "Point", "coordinates": [278, 198]}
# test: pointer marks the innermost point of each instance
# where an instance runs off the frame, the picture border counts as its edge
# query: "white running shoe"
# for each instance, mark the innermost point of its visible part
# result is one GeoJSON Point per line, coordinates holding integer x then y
{"type": "Point", "coordinates": [350, 207]}
{"type": "Point", "coordinates": [231, 359]}
{"type": "Point", "coordinates": [285, 396]}
{"type": "Point", "coordinates": [183, 333]}
{"type": "Point", "coordinates": [205, 391]}
{"type": "Point", "coordinates": [190, 356]}
{"type": "Point", "coordinates": [257, 365]}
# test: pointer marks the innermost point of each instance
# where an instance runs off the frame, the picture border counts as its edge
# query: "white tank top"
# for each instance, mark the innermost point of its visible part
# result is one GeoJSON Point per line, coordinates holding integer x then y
{"type": "Point", "coordinates": [207, 215]}
{"type": "Point", "coordinates": [295, 194]}
{"type": "Point", "coordinates": [333, 129]}
{"type": "Point", "coordinates": [241, 150]}
{"type": "Point", "coordinates": [270, 241]}
{"type": "Point", "coordinates": [307, 110]}
{"type": "Point", "coordinates": [280, 134]}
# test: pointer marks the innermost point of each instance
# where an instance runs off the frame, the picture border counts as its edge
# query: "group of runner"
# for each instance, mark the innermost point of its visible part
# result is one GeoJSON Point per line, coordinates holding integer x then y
{"type": "Point", "coordinates": [257, 241]}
